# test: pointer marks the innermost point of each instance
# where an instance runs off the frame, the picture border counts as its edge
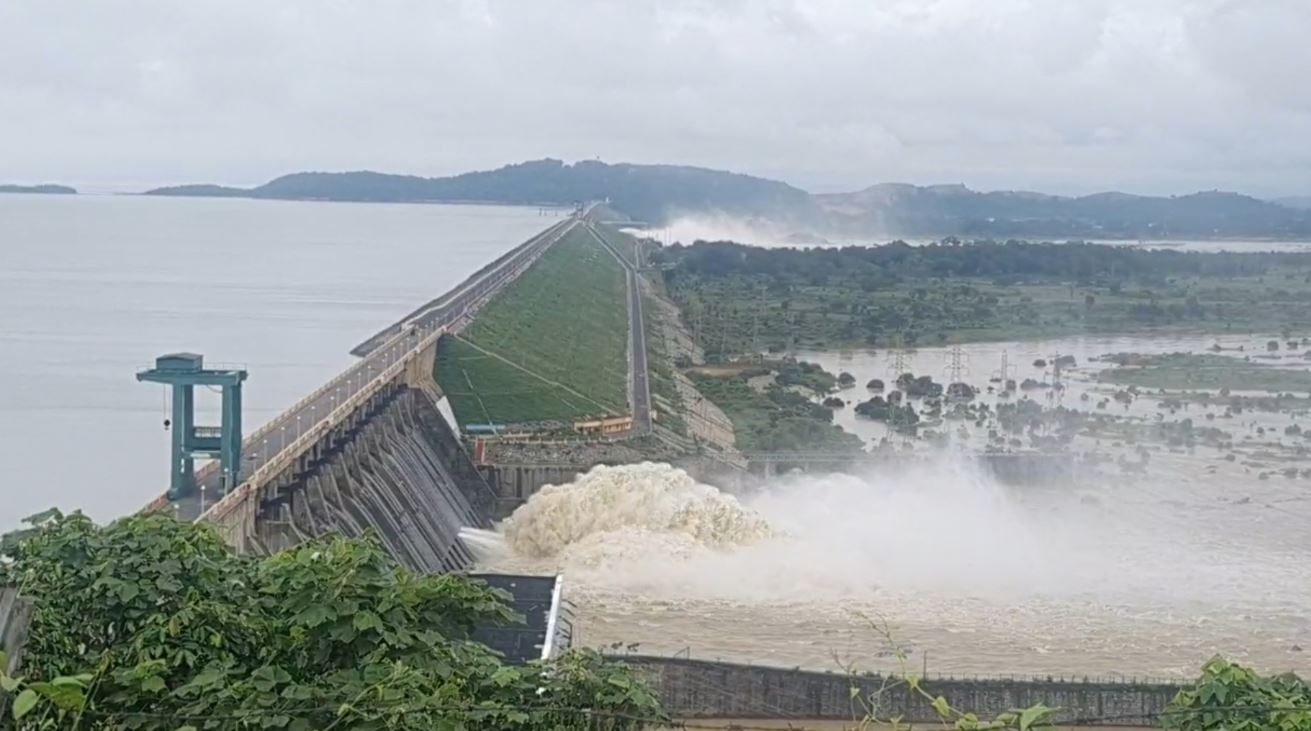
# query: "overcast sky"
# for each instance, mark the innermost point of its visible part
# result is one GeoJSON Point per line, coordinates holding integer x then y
{"type": "Point", "coordinates": [1074, 96]}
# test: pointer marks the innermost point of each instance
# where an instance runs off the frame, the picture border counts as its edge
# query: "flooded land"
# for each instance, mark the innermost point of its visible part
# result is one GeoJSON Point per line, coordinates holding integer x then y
{"type": "Point", "coordinates": [1179, 534]}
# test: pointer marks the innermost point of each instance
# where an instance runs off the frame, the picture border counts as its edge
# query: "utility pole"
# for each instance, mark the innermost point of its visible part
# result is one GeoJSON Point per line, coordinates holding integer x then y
{"type": "Point", "coordinates": [755, 323]}
{"type": "Point", "coordinates": [723, 332]}
{"type": "Point", "coordinates": [696, 328]}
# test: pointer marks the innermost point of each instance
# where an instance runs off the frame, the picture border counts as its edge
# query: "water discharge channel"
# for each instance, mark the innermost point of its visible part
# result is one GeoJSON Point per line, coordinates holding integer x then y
{"type": "Point", "coordinates": [1110, 574]}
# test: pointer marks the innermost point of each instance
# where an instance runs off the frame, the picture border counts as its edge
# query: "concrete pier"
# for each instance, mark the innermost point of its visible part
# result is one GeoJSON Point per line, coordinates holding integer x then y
{"type": "Point", "coordinates": [401, 474]}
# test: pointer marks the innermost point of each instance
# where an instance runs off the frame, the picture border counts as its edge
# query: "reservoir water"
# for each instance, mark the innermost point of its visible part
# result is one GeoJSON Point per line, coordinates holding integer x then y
{"type": "Point", "coordinates": [92, 288]}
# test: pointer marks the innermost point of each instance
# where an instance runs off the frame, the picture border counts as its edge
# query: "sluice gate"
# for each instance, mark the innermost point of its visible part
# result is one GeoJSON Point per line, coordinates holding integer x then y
{"type": "Point", "coordinates": [401, 473]}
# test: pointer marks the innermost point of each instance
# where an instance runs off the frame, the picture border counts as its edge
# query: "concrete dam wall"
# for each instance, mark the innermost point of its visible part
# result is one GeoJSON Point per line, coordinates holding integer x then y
{"type": "Point", "coordinates": [400, 472]}
{"type": "Point", "coordinates": [703, 689]}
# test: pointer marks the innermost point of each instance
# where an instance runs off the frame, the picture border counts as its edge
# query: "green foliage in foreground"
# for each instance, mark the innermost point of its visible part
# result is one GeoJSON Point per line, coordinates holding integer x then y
{"type": "Point", "coordinates": [150, 623]}
{"type": "Point", "coordinates": [1230, 697]}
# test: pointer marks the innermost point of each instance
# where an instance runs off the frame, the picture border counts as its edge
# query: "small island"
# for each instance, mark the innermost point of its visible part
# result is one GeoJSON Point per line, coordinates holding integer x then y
{"type": "Point", "coordinates": [46, 189]}
{"type": "Point", "coordinates": [200, 190]}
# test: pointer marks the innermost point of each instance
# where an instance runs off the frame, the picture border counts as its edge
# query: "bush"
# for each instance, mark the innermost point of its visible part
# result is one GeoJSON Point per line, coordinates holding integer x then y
{"type": "Point", "coordinates": [150, 621]}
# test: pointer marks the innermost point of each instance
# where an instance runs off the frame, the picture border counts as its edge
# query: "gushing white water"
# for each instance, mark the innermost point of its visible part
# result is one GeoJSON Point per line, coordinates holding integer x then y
{"type": "Point", "coordinates": [1068, 578]}
{"type": "Point", "coordinates": [651, 499]}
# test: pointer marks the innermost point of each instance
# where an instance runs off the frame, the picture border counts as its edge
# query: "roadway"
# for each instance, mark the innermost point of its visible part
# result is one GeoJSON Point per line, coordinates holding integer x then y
{"type": "Point", "coordinates": [639, 398]}
{"type": "Point", "coordinates": [450, 312]}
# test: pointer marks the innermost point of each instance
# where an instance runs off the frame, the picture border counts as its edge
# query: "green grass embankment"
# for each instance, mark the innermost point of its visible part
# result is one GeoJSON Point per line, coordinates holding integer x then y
{"type": "Point", "coordinates": [552, 347]}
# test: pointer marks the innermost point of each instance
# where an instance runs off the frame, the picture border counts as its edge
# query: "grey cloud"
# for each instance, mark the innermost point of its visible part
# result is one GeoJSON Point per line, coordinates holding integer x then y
{"type": "Point", "coordinates": [1065, 95]}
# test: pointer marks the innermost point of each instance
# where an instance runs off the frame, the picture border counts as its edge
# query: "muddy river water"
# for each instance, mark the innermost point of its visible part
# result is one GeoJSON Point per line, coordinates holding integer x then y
{"type": "Point", "coordinates": [1138, 573]}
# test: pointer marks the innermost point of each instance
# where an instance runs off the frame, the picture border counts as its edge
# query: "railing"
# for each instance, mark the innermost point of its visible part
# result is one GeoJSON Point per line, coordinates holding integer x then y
{"type": "Point", "coordinates": [219, 511]}
{"type": "Point", "coordinates": [234, 513]}
{"type": "Point", "coordinates": [882, 456]}
{"type": "Point", "coordinates": [686, 654]}
{"type": "Point", "coordinates": [478, 289]}
{"type": "Point", "coordinates": [481, 276]}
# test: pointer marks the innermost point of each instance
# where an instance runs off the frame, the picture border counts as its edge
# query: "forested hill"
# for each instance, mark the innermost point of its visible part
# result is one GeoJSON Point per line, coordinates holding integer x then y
{"type": "Point", "coordinates": [942, 210]}
{"type": "Point", "coordinates": [645, 192]}
{"type": "Point", "coordinates": [45, 189]}
{"type": "Point", "coordinates": [657, 193]}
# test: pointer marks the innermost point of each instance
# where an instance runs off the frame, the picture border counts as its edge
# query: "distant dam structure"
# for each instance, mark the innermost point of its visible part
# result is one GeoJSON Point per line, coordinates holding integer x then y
{"type": "Point", "coordinates": [369, 450]}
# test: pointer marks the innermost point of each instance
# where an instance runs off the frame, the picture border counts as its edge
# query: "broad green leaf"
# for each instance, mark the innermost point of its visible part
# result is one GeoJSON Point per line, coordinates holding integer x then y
{"type": "Point", "coordinates": [1032, 715]}
{"type": "Point", "coordinates": [24, 703]}
{"type": "Point", "coordinates": [207, 678]}
{"type": "Point", "coordinates": [313, 616]}
{"type": "Point", "coordinates": [127, 592]}
{"type": "Point", "coordinates": [152, 684]}
{"type": "Point", "coordinates": [366, 620]}
{"type": "Point", "coordinates": [941, 707]}
{"type": "Point", "coordinates": [8, 684]}
{"type": "Point", "coordinates": [65, 697]}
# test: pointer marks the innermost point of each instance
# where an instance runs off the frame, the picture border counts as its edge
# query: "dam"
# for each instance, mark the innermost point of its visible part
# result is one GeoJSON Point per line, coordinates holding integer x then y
{"type": "Point", "coordinates": [983, 573]}
{"type": "Point", "coordinates": [369, 449]}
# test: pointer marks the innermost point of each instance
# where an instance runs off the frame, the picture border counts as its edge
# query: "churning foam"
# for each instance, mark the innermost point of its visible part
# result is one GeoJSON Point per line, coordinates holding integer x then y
{"type": "Point", "coordinates": [945, 528]}
{"type": "Point", "coordinates": [1109, 576]}
{"type": "Point", "coordinates": [619, 512]}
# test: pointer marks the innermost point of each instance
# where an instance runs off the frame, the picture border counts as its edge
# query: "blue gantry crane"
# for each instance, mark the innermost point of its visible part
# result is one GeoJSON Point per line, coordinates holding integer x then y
{"type": "Point", "coordinates": [183, 372]}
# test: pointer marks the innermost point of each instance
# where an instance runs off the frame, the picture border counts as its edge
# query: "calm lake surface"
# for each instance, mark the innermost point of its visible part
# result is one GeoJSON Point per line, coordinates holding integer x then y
{"type": "Point", "coordinates": [92, 288]}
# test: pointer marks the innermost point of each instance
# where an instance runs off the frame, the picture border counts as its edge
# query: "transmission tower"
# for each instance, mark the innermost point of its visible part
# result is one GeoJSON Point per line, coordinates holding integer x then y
{"type": "Point", "coordinates": [1057, 391]}
{"type": "Point", "coordinates": [898, 357]}
{"type": "Point", "coordinates": [958, 364]}
{"type": "Point", "coordinates": [1006, 372]}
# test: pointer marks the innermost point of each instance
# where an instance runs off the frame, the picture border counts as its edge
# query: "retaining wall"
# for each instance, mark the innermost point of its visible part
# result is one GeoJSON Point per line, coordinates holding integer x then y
{"type": "Point", "coordinates": [704, 689]}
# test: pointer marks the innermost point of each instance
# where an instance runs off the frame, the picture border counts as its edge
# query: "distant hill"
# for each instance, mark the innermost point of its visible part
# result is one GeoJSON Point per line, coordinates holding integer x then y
{"type": "Point", "coordinates": [1295, 201]}
{"type": "Point", "coordinates": [644, 192]}
{"type": "Point", "coordinates": [657, 193]}
{"type": "Point", "coordinates": [938, 210]}
{"type": "Point", "coordinates": [202, 191]}
{"type": "Point", "coordinates": [51, 189]}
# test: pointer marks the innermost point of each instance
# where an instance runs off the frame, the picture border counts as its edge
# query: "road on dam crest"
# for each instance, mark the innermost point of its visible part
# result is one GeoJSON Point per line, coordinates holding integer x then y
{"type": "Point", "coordinates": [638, 376]}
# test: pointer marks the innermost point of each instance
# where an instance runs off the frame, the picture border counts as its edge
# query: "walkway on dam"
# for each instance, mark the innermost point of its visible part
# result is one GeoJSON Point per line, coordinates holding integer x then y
{"type": "Point", "coordinates": [447, 313]}
{"type": "Point", "coordinates": [638, 373]}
